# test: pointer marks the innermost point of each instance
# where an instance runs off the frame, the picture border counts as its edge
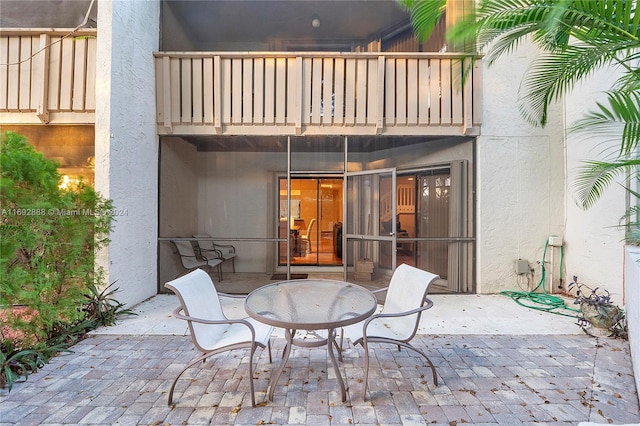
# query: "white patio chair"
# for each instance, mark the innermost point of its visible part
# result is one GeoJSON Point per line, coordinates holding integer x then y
{"type": "Point", "coordinates": [398, 321]}
{"type": "Point", "coordinates": [225, 251]}
{"type": "Point", "coordinates": [211, 331]}
{"type": "Point", "coordinates": [191, 257]}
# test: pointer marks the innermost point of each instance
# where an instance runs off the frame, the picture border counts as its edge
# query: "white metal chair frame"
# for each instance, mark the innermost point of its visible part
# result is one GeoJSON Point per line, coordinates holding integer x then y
{"type": "Point", "coordinates": [387, 313]}
{"type": "Point", "coordinates": [224, 251]}
{"type": "Point", "coordinates": [192, 258]}
{"type": "Point", "coordinates": [182, 312]}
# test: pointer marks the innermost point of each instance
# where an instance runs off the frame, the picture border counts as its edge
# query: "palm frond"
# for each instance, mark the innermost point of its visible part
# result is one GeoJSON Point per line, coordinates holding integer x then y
{"type": "Point", "coordinates": [424, 15]}
{"type": "Point", "coordinates": [595, 176]}
{"type": "Point", "coordinates": [621, 116]}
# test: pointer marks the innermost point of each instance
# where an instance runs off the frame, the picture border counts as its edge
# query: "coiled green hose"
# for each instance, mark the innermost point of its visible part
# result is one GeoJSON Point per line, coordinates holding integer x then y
{"type": "Point", "coordinates": [542, 301]}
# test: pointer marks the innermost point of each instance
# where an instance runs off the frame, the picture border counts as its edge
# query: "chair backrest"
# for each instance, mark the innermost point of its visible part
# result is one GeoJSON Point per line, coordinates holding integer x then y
{"type": "Point", "coordinates": [407, 290]}
{"type": "Point", "coordinates": [188, 254]}
{"type": "Point", "coordinates": [199, 299]}
{"type": "Point", "coordinates": [204, 244]}
{"type": "Point", "coordinates": [310, 227]}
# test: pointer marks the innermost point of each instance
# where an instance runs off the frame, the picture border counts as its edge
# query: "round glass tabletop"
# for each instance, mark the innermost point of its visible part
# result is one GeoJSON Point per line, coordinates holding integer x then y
{"type": "Point", "coordinates": [310, 304]}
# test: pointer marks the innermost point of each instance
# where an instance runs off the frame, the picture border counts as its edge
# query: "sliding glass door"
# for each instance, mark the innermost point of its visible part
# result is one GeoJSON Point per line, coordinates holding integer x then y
{"type": "Point", "coordinates": [315, 231]}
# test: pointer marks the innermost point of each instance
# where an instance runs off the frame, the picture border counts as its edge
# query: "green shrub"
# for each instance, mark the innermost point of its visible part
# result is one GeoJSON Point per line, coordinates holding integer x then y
{"type": "Point", "coordinates": [49, 237]}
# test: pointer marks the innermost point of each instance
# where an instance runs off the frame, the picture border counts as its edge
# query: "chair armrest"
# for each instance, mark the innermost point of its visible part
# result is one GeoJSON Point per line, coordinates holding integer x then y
{"type": "Point", "coordinates": [232, 296]}
{"type": "Point", "coordinates": [399, 314]}
{"type": "Point", "coordinates": [231, 249]}
{"type": "Point", "coordinates": [216, 255]}
{"type": "Point", "coordinates": [177, 313]}
{"type": "Point", "coordinates": [380, 290]}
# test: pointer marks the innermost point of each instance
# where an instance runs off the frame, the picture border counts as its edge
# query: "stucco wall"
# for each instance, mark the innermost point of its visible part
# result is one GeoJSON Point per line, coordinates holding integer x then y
{"type": "Point", "coordinates": [126, 142]}
{"type": "Point", "coordinates": [520, 179]}
{"type": "Point", "coordinates": [595, 246]}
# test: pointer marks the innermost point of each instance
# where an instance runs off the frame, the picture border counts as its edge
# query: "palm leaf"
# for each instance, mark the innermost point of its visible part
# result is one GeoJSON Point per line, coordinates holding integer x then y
{"type": "Point", "coordinates": [595, 176]}
{"type": "Point", "coordinates": [424, 15]}
{"type": "Point", "coordinates": [620, 116]}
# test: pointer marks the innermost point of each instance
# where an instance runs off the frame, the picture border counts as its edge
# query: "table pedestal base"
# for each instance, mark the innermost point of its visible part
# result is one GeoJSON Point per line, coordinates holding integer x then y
{"type": "Point", "coordinates": [330, 341]}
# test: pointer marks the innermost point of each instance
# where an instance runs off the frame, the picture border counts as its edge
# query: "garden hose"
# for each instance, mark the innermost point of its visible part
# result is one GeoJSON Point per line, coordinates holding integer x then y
{"type": "Point", "coordinates": [542, 301]}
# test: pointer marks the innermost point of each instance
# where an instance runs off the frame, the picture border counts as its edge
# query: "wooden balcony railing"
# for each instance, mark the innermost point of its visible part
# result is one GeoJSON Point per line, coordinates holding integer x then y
{"type": "Point", "coordinates": [47, 77]}
{"type": "Point", "coordinates": [317, 93]}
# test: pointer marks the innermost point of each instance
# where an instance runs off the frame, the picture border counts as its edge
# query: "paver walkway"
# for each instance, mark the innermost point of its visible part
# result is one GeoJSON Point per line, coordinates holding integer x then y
{"type": "Point", "coordinates": [484, 379]}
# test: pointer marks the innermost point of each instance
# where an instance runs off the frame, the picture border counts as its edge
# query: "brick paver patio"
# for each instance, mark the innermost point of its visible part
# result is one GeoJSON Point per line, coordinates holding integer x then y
{"type": "Point", "coordinates": [484, 379]}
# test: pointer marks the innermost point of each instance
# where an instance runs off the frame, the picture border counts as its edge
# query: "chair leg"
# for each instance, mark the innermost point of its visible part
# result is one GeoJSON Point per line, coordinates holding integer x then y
{"type": "Point", "coordinates": [202, 358]}
{"type": "Point", "coordinates": [233, 264]}
{"type": "Point", "coordinates": [365, 345]}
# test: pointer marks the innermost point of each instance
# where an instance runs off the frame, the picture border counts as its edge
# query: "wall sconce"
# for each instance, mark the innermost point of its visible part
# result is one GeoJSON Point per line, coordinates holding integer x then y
{"type": "Point", "coordinates": [315, 20]}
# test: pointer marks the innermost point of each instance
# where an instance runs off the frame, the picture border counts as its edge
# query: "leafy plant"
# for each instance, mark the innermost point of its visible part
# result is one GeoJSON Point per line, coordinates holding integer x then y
{"type": "Point", "coordinates": [17, 362]}
{"type": "Point", "coordinates": [577, 37]}
{"type": "Point", "coordinates": [102, 307]}
{"type": "Point", "coordinates": [49, 237]}
{"type": "Point", "coordinates": [597, 309]}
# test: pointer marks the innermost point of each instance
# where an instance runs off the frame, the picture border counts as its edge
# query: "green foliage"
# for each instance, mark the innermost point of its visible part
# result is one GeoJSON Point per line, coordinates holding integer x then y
{"type": "Point", "coordinates": [16, 362]}
{"type": "Point", "coordinates": [49, 237]}
{"type": "Point", "coordinates": [577, 37]}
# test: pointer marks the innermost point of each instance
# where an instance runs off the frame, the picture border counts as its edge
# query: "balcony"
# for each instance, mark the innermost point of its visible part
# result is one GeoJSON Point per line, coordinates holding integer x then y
{"type": "Point", "coordinates": [280, 93]}
{"type": "Point", "coordinates": [47, 77]}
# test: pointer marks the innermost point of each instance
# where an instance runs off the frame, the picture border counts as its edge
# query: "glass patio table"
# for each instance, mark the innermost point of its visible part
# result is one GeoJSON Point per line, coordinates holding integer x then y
{"type": "Point", "coordinates": [310, 305]}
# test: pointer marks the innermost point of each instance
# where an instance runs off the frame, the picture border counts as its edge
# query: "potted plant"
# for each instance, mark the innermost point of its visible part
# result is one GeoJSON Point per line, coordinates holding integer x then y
{"type": "Point", "coordinates": [598, 315]}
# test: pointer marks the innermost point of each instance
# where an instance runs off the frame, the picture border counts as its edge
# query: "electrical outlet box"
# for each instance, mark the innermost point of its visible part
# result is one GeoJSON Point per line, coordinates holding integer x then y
{"type": "Point", "coordinates": [555, 241]}
{"type": "Point", "coordinates": [521, 267]}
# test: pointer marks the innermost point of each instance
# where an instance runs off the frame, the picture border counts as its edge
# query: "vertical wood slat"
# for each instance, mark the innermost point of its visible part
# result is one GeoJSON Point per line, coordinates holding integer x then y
{"type": "Point", "coordinates": [66, 75]}
{"type": "Point", "coordinates": [35, 73]}
{"type": "Point", "coordinates": [413, 85]}
{"type": "Point", "coordinates": [423, 92]}
{"type": "Point", "coordinates": [90, 101]}
{"type": "Point", "coordinates": [338, 101]}
{"type": "Point", "coordinates": [207, 91]}
{"type": "Point", "coordinates": [236, 91]}
{"type": "Point", "coordinates": [258, 90]}
{"type": "Point", "coordinates": [281, 86]}
{"type": "Point", "coordinates": [299, 64]}
{"type": "Point", "coordinates": [434, 92]}
{"type": "Point", "coordinates": [4, 71]}
{"type": "Point", "coordinates": [225, 89]}
{"type": "Point", "coordinates": [160, 91]}
{"type": "Point", "coordinates": [445, 85]}
{"type": "Point", "coordinates": [24, 99]}
{"type": "Point", "coordinates": [166, 90]}
{"type": "Point", "coordinates": [361, 91]}
{"type": "Point", "coordinates": [327, 92]}
{"type": "Point", "coordinates": [350, 92]}
{"type": "Point", "coordinates": [185, 91]}
{"type": "Point", "coordinates": [197, 97]}
{"type": "Point", "coordinates": [175, 84]}
{"type": "Point", "coordinates": [218, 106]}
{"type": "Point", "coordinates": [269, 90]}
{"type": "Point", "coordinates": [41, 79]}
{"type": "Point", "coordinates": [390, 90]}
{"type": "Point", "coordinates": [382, 63]}
{"type": "Point", "coordinates": [457, 93]}
{"type": "Point", "coordinates": [401, 92]}
{"type": "Point", "coordinates": [55, 62]}
{"type": "Point", "coordinates": [292, 91]}
{"type": "Point", "coordinates": [306, 91]}
{"type": "Point", "coordinates": [372, 92]}
{"type": "Point", "coordinates": [13, 79]}
{"type": "Point", "coordinates": [79, 77]}
{"type": "Point", "coordinates": [316, 91]}
{"type": "Point", "coordinates": [247, 91]}
{"type": "Point", "coordinates": [477, 92]}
